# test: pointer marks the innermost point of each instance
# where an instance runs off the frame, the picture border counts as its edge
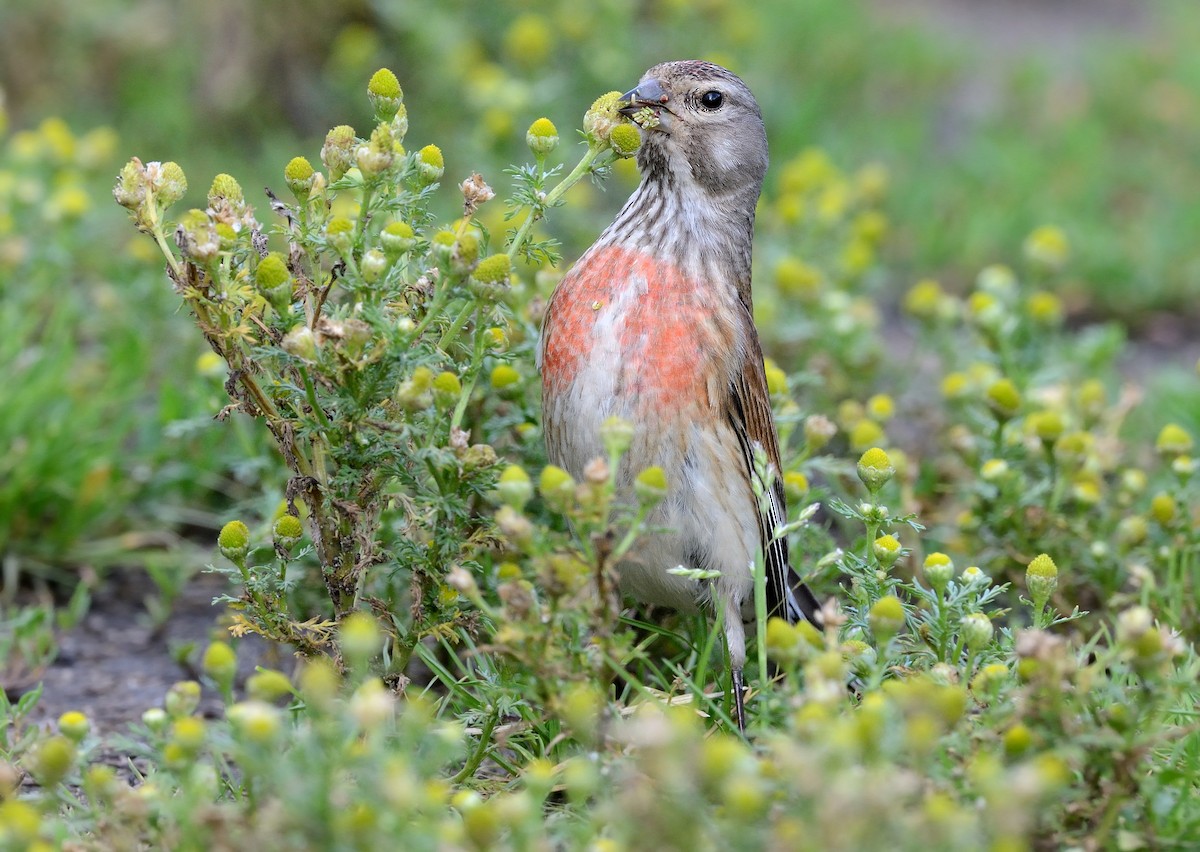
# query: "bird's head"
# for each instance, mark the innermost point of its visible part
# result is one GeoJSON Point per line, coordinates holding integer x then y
{"type": "Point", "coordinates": [699, 120]}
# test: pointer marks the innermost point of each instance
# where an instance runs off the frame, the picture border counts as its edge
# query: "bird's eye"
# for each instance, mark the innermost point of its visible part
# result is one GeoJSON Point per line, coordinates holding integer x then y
{"type": "Point", "coordinates": [712, 99]}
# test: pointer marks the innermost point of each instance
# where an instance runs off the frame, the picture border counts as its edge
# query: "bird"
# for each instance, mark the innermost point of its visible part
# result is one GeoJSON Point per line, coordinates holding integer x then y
{"type": "Point", "coordinates": [654, 324]}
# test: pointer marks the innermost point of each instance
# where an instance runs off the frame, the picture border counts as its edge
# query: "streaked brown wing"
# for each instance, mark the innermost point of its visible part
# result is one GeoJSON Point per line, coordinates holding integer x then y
{"type": "Point", "coordinates": [752, 420]}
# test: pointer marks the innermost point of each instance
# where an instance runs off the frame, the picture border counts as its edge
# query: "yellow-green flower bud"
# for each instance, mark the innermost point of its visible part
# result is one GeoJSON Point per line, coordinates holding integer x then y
{"type": "Point", "coordinates": [1164, 509]}
{"type": "Point", "coordinates": [1174, 440]}
{"type": "Point", "coordinates": [886, 618]}
{"type": "Point", "coordinates": [861, 656]}
{"type": "Point", "coordinates": [1183, 467]}
{"type": "Point", "coordinates": [227, 237]}
{"type": "Point", "coordinates": [397, 238]}
{"type": "Point", "coordinates": [924, 298]}
{"type": "Point", "coordinates": [625, 140]}
{"type": "Point", "coordinates": [225, 186]}
{"type": "Point", "coordinates": [1132, 530]}
{"type": "Point", "coordinates": [414, 392]}
{"type": "Point", "coordinates": [865, 433]}
{"type": "Point", "coordinates": [557, 488]}
{"type": "Point", "coordinates": [268, 685]}
{"type": "Point", "coordinates": [818, 431]}
{"type": "Point", "coordinates": [875, 469]}
{"type": "Point", "coordinates": [955, 385]}
{"type": "Point", "coordinates": [972, 576]}
{"type": "Point", "coordinates": [515, 526]}
{"type": "Point", "coordinates": [994, 470]}
{"type": "Point", "coordinates": [990, 678]}
{"type": "Point", "coordinates": [1041, 578]}
{"type": "Point", "coordinates": [777, 382]}
{"type": "Point", "coordinates": [616, 433]}
{"type": "Point", "coordinates": [340, 232]}
{"type": "Point", "coordinates": [273, 280]}
{"type": "Point", "coordinates": [650, 485]}
{"type": "Point", "coordinates": [373, 265]}
{"type": "Point", "coordinates": [1004, 398]}
{"type": "Point", "coordinates": [446, 389]}
{"type": "Point", "coordinates": [799, 280]}
{"type": "Point", "coordinates": [599, 121]}
{"type": "Point", "coordinates": [359, 637]}
{"type": "Point", "coordinates": [430, 164]}
{"type": "Point", "coordinates": [371, 705]}
{"type": "Point", "coordinates": [505, 377]}
{"type": "Point", "coordinates": [1047, 247]}
{"type": "Point", "coordinates": [130, 188]}
{"type": "Point", "coordinates": [286, 531]}
{"type": "Point", "coordinates": [1047, 425]}
{"type": "Point", "coordinates": [887, 550]}
{"type": "Point", "coordinates": [155, 719]}
{"type": "Point", "coordinates": [783, 643]}
{"type": "Point", "coordinates": [542, 137]}
{"type": "Point", "coordinates": [494, 269]}
{"type": "Point", "coordinates": [1092, 397]}
{"type": "Point", "coordinates": [182, 699]}
{"type": "Point", "coordinates": [355, 334]}
{"type": "Point", "coordinates": [1071, 450]}
{"type": "Point", "coordinates": [514, 488]}
{"type": "Point", "coordinates": [188, 733]}
{"type": "Point", "coordinates": [976, 629]}
{"type": "Point", "coordinates": [795, 484]}
{"type": "Point", "coordinates": [301, 343]}
{"type": "Point", "coordinates": [319, 684]}
{"type": "Point", "coordinates": [338, 151]}
{"type": "Point", "coordinates": [74, 725]}
{"type": "Point", "coordinates": [385, 94]}
{"type": "Point", "coordinates": [377, 156]}
{"type": "Point", "coordinates": [1045, 309]}
{"type": "Point", "coordinates": [220, 663]}
{"type": "Point", "coordinates": [52, 760]}
{"type": "Point", "coordinates": [197, 236]}
{"type": "Point", "coordinates": [299, 176]}
{"type": "Point", "coordinates": [1134, 480]}
{"type": "Point", "coordinates": [881, 407]}
{"type": "Point", "coordinates": [256, 721]}
{"type": "Point", "coordinates": [234, 541]}
{"type": "Point", "coordinates": [1017, 740]}
{"type": "Point", "coordinates": [168, 182]}
{"type": "Point", "coordinates": [939, 571]}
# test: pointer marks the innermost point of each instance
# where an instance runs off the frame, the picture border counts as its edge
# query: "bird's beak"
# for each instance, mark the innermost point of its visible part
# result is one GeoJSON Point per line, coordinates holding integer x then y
{"type": "Point", "coordinates": [646, 104]}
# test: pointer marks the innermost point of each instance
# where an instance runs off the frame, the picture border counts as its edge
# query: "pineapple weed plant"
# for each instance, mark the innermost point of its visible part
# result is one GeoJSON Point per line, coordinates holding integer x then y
{"type": "Point", "coordinates": [1043, 694]}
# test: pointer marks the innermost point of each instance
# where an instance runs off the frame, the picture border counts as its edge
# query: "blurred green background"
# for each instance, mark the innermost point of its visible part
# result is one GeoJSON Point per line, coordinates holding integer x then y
{"type": "Point", "coordinates": [990, 120]}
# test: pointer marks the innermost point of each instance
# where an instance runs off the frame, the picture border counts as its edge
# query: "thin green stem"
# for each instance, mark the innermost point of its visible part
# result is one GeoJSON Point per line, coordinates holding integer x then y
{"type": "Point", "coordinates": [485, 740]}
{"type": "Point", "coordinates": [456, 325]}
{"type": "Point", "coordinates": [584, 167]}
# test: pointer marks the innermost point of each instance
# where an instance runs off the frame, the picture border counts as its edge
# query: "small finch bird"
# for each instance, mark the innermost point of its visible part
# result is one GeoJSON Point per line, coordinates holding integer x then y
{"type": "Point", "coordinates": [654, 324]}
